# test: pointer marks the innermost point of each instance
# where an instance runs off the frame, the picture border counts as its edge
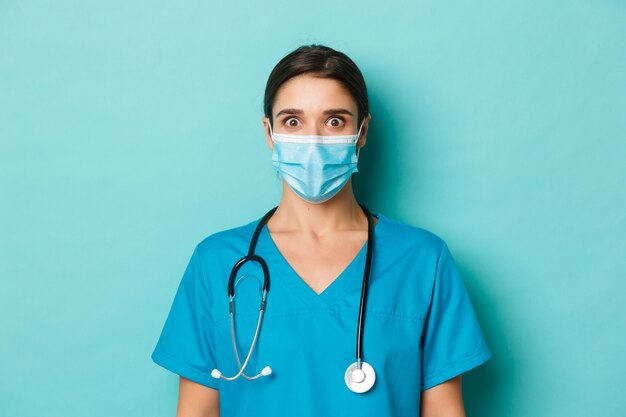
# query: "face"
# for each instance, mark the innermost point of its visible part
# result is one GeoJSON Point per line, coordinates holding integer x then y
{"type": "Point", "coordinates": [307, 105]}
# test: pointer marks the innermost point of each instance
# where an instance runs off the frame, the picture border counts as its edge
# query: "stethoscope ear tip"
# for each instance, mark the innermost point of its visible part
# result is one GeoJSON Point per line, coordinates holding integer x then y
{"type": "Point", "coordinates": [266, 371]}
{"type": "Point", "coordinates": [216, 374]}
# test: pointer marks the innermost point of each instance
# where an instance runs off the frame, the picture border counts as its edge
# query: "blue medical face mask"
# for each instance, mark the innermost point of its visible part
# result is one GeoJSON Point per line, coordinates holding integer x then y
{"type": "Point", "coordinates": [315, 167]}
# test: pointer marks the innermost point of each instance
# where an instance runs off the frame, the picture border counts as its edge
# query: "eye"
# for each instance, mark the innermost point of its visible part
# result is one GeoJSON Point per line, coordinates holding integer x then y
{"type": "Point", "coordinates": [336, 122]}
{"type": "Point", "coordinates": [291, 122]}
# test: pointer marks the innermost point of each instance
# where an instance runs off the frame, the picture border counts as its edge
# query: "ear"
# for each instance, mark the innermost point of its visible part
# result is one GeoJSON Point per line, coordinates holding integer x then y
{"type": "Point", "coordinates": [268, 137]}
{"type": "Point", "coordinates": [363, 136]}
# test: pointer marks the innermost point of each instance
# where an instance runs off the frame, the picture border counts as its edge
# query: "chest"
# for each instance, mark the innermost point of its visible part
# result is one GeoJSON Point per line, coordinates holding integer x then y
{"type": "Point", "coordinates": [318, 262]}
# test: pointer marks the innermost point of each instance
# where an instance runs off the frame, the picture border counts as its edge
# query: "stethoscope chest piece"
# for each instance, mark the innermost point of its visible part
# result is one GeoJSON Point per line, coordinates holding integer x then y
{"type": "Point", "coordinates": [360, 380]}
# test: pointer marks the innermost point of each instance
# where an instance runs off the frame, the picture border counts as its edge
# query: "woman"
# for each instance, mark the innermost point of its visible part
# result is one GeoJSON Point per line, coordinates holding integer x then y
{"type": "Point", "coordinates": [418, 331]}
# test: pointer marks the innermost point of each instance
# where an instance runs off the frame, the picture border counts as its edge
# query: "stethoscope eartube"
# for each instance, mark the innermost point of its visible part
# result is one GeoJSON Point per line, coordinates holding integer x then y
{"type": "Point", "coordinates": [360, 376]}
{"type": "Point", "coordinates": [251, 256]}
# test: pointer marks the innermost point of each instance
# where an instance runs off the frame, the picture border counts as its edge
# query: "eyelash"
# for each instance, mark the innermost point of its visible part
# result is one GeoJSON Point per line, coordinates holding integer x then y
{"type": "Point", "coordinates": [339, 118]}
{"type": "Point", "coordinates": [333, 117]}
{"type": "Point", "coordinates": [287, 120]}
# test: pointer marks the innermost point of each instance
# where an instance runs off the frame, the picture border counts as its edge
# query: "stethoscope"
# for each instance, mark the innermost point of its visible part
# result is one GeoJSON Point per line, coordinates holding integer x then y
{"type": "Point", "coordinates": [360, 375]}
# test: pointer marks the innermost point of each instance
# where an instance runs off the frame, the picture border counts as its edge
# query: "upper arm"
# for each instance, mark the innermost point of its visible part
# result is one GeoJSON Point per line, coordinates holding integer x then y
{"type": "Point", "coordinates": [445, 399]}
{"type": "Point", "coordinates": [452, 340]}
{"type": "Point", "coordinates": [196, 400]}
{"type": "Point", "coordinates": [186, 345]}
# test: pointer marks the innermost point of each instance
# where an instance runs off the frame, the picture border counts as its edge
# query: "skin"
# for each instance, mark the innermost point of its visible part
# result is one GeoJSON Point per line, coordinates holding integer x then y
{"type": "Point", "coordinates": [196, 400]}
{"type": "Point", "coordinates": [318, 240]}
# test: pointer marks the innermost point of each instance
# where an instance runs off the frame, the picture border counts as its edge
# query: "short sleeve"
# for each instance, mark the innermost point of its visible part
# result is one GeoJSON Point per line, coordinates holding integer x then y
{"type": "Point", "coordinates": [452, 340]}
{"type": "Point", "coordinates": [187, 344]}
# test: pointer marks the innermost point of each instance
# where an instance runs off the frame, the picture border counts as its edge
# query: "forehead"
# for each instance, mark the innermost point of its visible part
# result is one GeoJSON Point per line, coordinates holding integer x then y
{"type": "Point", "coordinates": [313, 94]}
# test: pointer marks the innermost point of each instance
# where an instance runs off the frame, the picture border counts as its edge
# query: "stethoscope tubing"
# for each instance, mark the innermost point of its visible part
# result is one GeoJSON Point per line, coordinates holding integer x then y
{"type": "Point", "coordinates": [256, 335]}
{"type": "Point", "coordinates": [251, 256]}
{"type": "Point", "coordinates": [364, 287]}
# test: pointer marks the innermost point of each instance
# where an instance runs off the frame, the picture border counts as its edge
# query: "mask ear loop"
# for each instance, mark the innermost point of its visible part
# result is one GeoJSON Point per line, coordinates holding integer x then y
{"type": "Point", "coordinates": [271, 133]}
{"type": "Point", "coordinates": [357, 140]}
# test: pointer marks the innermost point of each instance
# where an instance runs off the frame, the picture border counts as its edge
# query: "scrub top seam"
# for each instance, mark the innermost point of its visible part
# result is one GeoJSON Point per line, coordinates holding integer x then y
{"type": "Point", "coordinates": [442, 254]}
{"type": "Point", "coordinates": [203, 280]}
{"type": "Point", "coordinates": [463, 359]}
{"type": "Point", "coordinates": [179, 366]}
{"type": "Point", "coordinates": [466, 360]}
{"type": "Point", "coordinates": [334, 311]}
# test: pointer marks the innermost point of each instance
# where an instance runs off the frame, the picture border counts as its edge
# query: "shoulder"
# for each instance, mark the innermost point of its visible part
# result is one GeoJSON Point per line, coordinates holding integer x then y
{"type": "Point", "coordinates": [400, 235]}
{"type": "Point", "coordinates": [235, 239]}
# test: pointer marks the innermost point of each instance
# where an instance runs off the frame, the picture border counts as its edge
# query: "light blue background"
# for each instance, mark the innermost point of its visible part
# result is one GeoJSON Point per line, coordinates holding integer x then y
{"type": "Point", "coordinates": [131, 130]}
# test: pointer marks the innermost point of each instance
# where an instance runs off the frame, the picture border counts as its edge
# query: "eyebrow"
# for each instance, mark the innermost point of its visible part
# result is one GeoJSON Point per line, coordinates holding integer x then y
{"type": "Point", "coordinates": [299, 111]}
{"type": "Point", "coordinates": [289, 111]}
{"type": "Point", "coordinates": [337, 111]}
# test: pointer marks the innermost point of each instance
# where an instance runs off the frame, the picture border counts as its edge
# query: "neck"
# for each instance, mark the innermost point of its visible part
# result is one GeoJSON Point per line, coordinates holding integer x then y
{"type": "Point", "coordinates": [342, 212]}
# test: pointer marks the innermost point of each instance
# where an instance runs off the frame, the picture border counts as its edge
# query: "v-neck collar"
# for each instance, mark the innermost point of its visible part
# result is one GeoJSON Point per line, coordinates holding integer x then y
{"type": "Point", "coordinates": [337, 289]}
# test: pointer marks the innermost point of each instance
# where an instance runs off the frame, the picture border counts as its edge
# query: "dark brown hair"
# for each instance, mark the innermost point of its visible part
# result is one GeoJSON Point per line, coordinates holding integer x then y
{"type": "Point", "coordinates": [319, 61]}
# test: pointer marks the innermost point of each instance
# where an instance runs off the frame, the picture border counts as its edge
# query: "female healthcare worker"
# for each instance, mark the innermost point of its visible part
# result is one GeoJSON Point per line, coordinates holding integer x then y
{"type": "Point", "coordinates": [276, 334]}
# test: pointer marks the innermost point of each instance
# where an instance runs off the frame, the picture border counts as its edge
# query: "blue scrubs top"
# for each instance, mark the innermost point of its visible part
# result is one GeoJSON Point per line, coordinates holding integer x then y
{"type": "Point", "coordinates": [420, 327]}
